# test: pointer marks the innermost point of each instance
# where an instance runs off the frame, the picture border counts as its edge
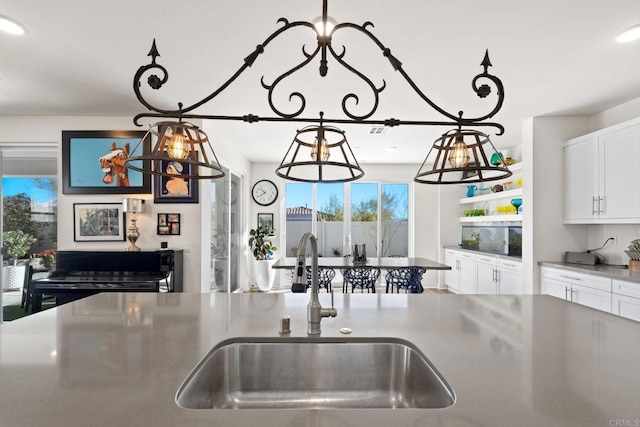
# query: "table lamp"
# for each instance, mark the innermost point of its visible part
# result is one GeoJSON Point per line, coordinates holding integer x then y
{"type": "Point", "coordinates": [133, 206]}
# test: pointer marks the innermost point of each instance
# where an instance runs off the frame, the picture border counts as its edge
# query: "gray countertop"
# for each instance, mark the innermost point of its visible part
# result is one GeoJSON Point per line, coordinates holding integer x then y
{"type": "Point", "coordinates": [118, 359]}
{"type": "Point", "coordinates": [471, 251]}
{"type": "Point", "coordinates": [597, 270]}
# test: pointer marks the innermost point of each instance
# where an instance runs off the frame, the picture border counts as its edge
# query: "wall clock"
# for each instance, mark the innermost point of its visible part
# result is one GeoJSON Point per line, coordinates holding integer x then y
{"type": "Point", "coordinates": [264, 192]}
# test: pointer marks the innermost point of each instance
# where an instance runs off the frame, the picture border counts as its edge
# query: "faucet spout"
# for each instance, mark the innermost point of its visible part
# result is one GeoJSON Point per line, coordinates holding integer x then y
{"type": "Point", "coordinates": [315, 312]}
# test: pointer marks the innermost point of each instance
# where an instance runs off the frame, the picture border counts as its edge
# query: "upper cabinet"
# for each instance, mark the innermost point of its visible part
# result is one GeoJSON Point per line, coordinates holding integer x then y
{"type": "Point", "coordinates": [601, 176]}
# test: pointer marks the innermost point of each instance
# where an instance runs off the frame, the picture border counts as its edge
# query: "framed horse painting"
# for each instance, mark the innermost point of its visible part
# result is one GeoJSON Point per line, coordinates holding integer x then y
{"type": "Point", "coordinates": [93, 162]}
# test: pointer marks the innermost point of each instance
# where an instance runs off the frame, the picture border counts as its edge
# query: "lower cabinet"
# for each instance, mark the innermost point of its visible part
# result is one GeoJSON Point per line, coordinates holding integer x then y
{"type": "Point", "coordinates": [498, 276]}
{"type": "Point", "coordinates": [482, 274]}
{"type": "Point", "coordinates": [462, 276]}
{"type": "Point", "coordinates": [591, 291]}
{"type": "Point", "coordinates": [626, 299]}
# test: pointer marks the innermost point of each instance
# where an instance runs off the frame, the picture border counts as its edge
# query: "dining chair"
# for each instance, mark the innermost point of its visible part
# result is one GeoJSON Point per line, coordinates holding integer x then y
{"type": "Point", "coordinates": [361, 277]}
{"type": "Point", "coordinates": [407, 278]}
{"type": "Point", "coordinates": [325, 276]}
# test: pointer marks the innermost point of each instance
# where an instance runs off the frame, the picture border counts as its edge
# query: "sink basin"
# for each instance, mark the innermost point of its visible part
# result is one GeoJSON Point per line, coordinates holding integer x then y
{"type": "Point", "coordinates": [306, 373]}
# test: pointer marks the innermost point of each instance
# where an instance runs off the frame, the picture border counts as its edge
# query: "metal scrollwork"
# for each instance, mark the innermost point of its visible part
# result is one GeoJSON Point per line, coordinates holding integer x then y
{"type": "Point", "coordinates": [482, 84]}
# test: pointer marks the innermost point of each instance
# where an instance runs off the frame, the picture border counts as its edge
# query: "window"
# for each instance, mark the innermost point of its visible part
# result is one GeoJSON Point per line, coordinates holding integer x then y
{"type": "Point", "coordinates": [377, 217]}
{"type": "Point", "coordinates": [30, 208]}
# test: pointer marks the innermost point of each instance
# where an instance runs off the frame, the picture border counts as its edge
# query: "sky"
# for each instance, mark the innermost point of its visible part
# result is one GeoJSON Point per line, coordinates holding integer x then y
{"type": "Point", "coordinates": [13, 186]}
{"type": "Point", "coordinates": [301, 194]}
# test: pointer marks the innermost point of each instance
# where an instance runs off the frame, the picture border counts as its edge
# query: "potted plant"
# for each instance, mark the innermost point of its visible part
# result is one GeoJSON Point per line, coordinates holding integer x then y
{"type": "Point", "coordinates": [262, 249]}
{"type": "Point", "coordinates": [17, 244]}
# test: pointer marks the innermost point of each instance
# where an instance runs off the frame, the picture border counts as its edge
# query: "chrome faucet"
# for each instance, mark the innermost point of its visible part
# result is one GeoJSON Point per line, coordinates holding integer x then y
{"type": "Point", "coordinates": [315, 312]}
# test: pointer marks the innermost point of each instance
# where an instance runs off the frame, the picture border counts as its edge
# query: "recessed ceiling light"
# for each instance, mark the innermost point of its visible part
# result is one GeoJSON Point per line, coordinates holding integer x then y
{"type": "Point", "coordinates": [10, 26]}
{"type": "Point", "coordinates": [629, 35]}
{"type": "Point", "coordinates": [391, 149]}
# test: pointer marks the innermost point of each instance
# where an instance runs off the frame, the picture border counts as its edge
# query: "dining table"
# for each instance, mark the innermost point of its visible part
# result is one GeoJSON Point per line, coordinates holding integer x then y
{"type": "Point", "coordinates": [386, 263]}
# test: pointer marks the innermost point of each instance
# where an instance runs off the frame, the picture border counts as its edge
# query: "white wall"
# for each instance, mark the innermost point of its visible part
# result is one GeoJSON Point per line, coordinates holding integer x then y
{"type": "Point", "coordinates": [34, 130]}
{"type": "Point", "coordinates": [545, 236]}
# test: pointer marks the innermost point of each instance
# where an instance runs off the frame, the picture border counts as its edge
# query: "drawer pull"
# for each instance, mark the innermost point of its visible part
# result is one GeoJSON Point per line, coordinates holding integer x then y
{"type": "Point", "coordinates": [570, 278]}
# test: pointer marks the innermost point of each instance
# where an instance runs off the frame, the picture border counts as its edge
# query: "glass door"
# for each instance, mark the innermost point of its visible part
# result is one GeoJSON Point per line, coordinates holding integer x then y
{"type": "Point", "coordinates": [226, 233]}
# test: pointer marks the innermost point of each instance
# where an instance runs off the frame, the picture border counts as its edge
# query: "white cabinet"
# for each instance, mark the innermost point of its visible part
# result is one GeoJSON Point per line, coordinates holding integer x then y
{"type": "Point", "coordinates": [585, 289]}
{"type": "Point", "coordinates": [509, 276]}
{"type": "Point", "coordinates": [482, 274]}
{"type": "Point", "coordinates": [462, 276]}
{"type": "Point", "coordinates": [600, 170]}
{"type": "Point", "coordinates": [626, 299]}
{"type": "Point", "coordinates": [498, 276]}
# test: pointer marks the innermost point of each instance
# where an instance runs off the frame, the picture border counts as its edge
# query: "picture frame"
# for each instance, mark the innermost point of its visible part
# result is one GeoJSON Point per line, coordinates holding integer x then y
{"type": "Point", "coordinates": [98, 222]}
{"type": "Point", "coordinates": [174, 189]}
{"type": "Point", "coordinates": [168, 224]}
{"type": "Point", "coordinates": [265, 220]}
{"type": "Point", "coordinates": [93, 162]}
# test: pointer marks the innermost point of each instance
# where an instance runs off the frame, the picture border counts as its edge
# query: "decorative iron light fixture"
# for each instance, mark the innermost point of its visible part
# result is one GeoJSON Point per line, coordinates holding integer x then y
{"type": "Point", "coordinates": [314, 170]}
{"type": "Point", "coordinates": [177, 141]}
{"type": "Point", "coordinates": [456, 161]}
{"type": "Point", "coordinates": [320, 154]}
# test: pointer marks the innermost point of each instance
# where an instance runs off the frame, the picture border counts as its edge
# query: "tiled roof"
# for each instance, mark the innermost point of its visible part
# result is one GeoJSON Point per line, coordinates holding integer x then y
{"type": "Point", "coordinates": [303, 211]}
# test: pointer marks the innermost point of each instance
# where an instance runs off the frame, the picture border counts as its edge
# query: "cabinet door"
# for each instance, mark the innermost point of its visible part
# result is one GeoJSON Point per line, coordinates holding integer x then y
{"type": "Point", "coordinates": [625, 306]}
{"type": "Point", "coordinates": [486, 278]}
{"type": "Point", "coordinates": [451, 278]}
{"type": "Point", "coordinates": [619, 192]}
{"type": "Point", "coordinates": [509, 281]}
{"type": "Point", "coordinates": [467, 279]}
{"type": "Point", "coordinates": [581, 180]}
{"type": "Point", "coordinates": [555, 288]}
{"type": "Point", "coordinates": [590, 297]}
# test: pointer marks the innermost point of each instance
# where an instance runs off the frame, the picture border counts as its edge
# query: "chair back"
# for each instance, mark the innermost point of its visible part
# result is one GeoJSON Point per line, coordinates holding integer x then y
{"type": "Point", "coordinates": [407, 278]}
{"type": "Point", "coordinates": [325, 276]}
{"type": "Point", "coordinates": [362, 277]}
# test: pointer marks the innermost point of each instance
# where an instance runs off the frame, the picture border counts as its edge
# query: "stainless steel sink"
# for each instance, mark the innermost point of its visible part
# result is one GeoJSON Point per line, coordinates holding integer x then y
{"type": "Point", "coordinates": [318, 373]}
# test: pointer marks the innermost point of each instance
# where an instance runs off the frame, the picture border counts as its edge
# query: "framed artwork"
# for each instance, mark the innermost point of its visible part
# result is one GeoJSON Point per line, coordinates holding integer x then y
{"type": "Point", "coordinates": [175, 188]}
{"type": "Point", "coordinates": [98, 222]}
{"type": "Point", "coordinates": [93, 162]}
{"type": "Point", "coordinates": [265, 220]}
{"type": "Point", "coordinates": [168, 224]}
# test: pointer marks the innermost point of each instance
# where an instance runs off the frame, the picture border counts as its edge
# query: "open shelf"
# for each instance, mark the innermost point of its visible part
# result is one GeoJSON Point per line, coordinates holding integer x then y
{"type": "Point", "coordinates": [491, 218]}
{"type": "Point", "coordinates": [493, 196]}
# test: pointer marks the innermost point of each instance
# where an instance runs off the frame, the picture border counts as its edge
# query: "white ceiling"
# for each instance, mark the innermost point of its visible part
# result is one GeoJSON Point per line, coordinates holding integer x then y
{"type": "Point", "coordinates": [555, 57]}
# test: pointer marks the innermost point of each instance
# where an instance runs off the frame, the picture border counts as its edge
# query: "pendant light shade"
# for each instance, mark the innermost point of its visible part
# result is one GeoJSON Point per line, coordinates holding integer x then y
{"type": "Point", "coordinates": [181, 142]}
{"type": "Point", "coordinates": [459, 156]}
{"type": "Point", "coordinates": [320, 154]}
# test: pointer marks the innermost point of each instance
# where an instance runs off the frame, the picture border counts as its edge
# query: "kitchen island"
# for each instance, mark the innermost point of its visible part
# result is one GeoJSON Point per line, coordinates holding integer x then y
{"type": "Point", "coordinates": [118, 359]}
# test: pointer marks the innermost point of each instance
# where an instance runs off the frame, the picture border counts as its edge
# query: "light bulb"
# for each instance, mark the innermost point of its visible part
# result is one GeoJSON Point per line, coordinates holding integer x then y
{"type": "Point", "coordinates": [320, 149]}
{"type": "Point", "coordinates": [321, 28]}
{"type": "Point", "coordinates": [458, 156]}
{"type": "Point", "coordinates": [178, 147]}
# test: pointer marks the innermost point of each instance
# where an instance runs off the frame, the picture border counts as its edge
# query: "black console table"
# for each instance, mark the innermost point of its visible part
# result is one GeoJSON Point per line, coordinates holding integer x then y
{"type": "Point", "coordinates": [82, 273]}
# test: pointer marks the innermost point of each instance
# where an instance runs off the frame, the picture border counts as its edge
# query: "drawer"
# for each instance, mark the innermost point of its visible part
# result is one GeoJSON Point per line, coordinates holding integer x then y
{"type": "Point", "coordinates": [467, 255]}
{"type": "Point", "coordinates": [484, 259]}
{"type": "Point", "coordinates": [509, 264]}
{"type": "Point", "coordinates": [451, 252]}
{"type": "Point", "coordinates": [569, 276]}
{"type": "Point", "coordinates": [629, 289]}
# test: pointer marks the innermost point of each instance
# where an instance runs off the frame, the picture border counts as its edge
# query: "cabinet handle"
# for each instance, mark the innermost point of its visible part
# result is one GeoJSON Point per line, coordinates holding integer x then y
{"type": "Point", "coordinates": [593, 206]}
{"type": "Point", "coordinates": [570, 278]}
{"type": "Point", "coordinates": [566, 293]}
{"type": "Point", "coordinates": [601, 205]}
{"type": "Point", "coordinates": [497, 276]}
{"type": "Point", "coordinates": [572, 291]}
